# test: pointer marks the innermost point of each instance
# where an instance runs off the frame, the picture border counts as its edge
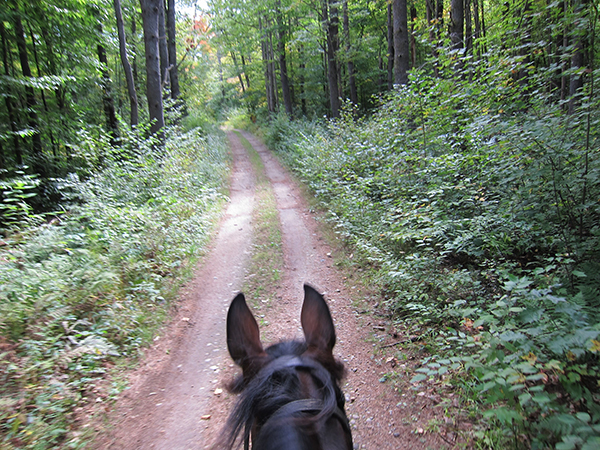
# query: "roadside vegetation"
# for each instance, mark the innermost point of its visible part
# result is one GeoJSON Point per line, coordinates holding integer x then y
{"type": "Point", "coordinates": [84, 287]}
{"type": "Point", "coordinates": [477, 208]}
{"type": "Point", "coordinates": [264, 272]}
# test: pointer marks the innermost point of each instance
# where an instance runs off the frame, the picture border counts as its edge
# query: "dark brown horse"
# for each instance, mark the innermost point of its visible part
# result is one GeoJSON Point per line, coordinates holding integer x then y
{"type": "Point", "coordinates": [290, 396]}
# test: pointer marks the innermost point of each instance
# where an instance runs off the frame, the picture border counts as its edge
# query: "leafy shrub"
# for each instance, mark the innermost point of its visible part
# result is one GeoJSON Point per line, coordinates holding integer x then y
{"type": "Point", "coordinates": [479, 214]}
{"type": "Point", "coordinates": [94, 284]}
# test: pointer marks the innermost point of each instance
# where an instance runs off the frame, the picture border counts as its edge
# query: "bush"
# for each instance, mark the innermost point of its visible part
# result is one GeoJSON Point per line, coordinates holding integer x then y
{"type": "Point", "coordinates": [95, 283]}
{"type": "Point", "coordinates": [481, 218]}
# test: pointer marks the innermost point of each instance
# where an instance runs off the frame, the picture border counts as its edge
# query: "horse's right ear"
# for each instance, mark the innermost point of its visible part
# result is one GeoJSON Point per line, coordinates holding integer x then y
{"type": "Point", "coordinates": [243, 336]}
{"type": "Point", "coordinates": [317, 323]}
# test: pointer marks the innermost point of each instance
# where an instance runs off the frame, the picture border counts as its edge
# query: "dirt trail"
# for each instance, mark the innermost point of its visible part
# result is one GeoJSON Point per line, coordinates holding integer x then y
{"type": "Point", "coordinates": [175, 399]}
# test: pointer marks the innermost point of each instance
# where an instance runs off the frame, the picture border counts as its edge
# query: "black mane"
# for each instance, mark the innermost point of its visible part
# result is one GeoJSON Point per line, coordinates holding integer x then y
{"type": "Point", "coordinates": [278, 383]}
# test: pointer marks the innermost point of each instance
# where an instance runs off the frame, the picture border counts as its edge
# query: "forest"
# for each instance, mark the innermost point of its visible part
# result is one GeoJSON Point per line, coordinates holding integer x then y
{"type": "Point", "coordinates": [454, 145]}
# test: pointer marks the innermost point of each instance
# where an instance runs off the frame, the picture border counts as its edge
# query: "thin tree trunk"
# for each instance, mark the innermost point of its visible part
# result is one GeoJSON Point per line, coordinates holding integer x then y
{"type": "Point", "coordinates": [245, 71]}
{"type": "Point", "coordinates": [237, 70]}
{"type": "Point", "coordinates": [264, 45]}
{"type": "Point", "coordinates": [172, 47]}
{"type": "Point", "coordinates": [136, 78]}
{"type": "Point", "coordinates": [283, 74]}
{"type": "Point", "coordinates": [468, 27]}
{"type": "Point", "coordinates": [30, 96]}
{"type": "Point", "coordinates": [390, 42]}
{"type": "Point", "coordinates": [133, 102]}
{"type": "Point", "coordinates": [42, 93]}
{"type": "Point", "coordinates": [107, 100]}
{"type": "Point", "coordinates": [330, 14]}
{"type": "Point", "coordinates": [401, 50]}
{"type": "Point", "coordinates": [302, 80]}
{"type": "Point", "coordinates": [150, 13]}
{"type": "Point", "coordinates": [163, 48]}
{"type": "Point", "coordinates": [413, 42]}
{"type": "Point", "coordinates": [350, 63]}
{"type": "Point", "coordinates": [431, 13]}
{"type": "Point", "coordinates": [8, 100]}
{"type": "Point", "coordinates": [477, 35]}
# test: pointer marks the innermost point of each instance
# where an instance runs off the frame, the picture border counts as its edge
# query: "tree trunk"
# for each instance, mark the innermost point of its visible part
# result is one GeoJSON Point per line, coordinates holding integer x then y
{"type": "Point", "coordinates": [30, 96]}
{"type": "Point", "coordinates": [136, 78]}
{"type": "Point", "coordinates": [477, 34]}
{"type": "Point", "coordinates": [580, 48]}
{"type": "Point", "coordinates": [401, 50]}
{"type": "Point", "coordinates": [285, 84]}
{"type": "Point", "coordinates": [237, 70]}
{"type": "Point", "coordinates": [12, 118]}
{"type": "Point", "coordinates": [264, 45]}
{"type": "Point", "coordinates": [42, 93]}
{"type": "Point", "coordinates": [133, 102]}
{"type": "Point", "coordinates": [350, 63]}
{"type": "Point", "coordinates": [107, 100]}
{"type": "Point", "coordinates": [468, 27]}
{"type": "Point", "coordinates": [413, 42]}
{"type": "Point", "coordinates": [330, 14]}
{"type": "Point", "coordinates": [431, 13]}
{"type": "Point", "coordinates": [245, 71]}
{"type": "Point", "coordinates": [171, 30]}
{"type": "Point", "coordinates": [302, 80]}
{"type": "Point", "coordinates": [457, 20]}
{"type": "Point", "coordinates": [163, 48]}
{"type": "Point", "coordinates": [576, 81]}
{"type": "Point", "coordinates": [390, 42]}
{"type": "Point", "coordinates": [150, 13]}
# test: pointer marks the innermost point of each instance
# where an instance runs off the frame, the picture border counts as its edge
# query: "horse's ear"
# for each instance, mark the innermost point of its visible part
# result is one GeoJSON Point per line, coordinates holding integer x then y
{"type": "Point", "coordinates": [243, 336]}
{"type": "Point", "coordinates": [317, 324]}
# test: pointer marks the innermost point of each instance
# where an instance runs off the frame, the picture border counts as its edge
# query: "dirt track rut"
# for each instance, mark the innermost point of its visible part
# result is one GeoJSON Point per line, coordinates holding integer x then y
{"type": "Point", "coordinates": [175, 399]}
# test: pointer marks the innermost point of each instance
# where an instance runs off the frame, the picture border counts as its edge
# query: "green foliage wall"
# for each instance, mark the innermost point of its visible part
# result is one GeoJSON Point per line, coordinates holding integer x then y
{"type": "Point", "coordinates": [95, 283]}
{"type": "Point", "coordinates": [481, 220]}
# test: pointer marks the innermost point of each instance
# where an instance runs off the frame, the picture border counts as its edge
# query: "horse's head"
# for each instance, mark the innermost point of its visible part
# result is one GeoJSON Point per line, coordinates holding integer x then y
{"type": "Point", "coordinates": [289, 391]}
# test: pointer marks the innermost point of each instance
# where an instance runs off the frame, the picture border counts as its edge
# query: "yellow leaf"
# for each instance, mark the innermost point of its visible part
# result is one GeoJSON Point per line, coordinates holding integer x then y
{"type": "Point", "coordinates": [595, 346]}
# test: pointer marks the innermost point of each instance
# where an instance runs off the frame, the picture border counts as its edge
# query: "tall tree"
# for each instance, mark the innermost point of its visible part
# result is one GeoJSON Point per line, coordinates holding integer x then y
{"type": "Point", "coordinates": [283, 70]}
{"type": "Point", "coordinates": [105, 82]}
{"type": "Point", "coordinates": [401, 47]}
{"type": "Point", "coordinates": [457, 23]}
{"type": "Point", "coordinates": [172, 34]}
{"type": "Point", "coordinates": [8, 100]}
{"type": "Point", "coordinates": [331, 21]}
{"type": "Point", "coordinates": [133, 101]}
{"type": "Point", "coordinates": [163, 48]}
{"type": "Point", "coordinates": [390, 46]}
{"type": "Point", "coordinates": [268, 63]}
{"type": "Point", "coordinates": [150, 18]}
{"type": "Point", "coordinates": [29, 93]}
{"type": "Point", "coordinates": [349, 56]}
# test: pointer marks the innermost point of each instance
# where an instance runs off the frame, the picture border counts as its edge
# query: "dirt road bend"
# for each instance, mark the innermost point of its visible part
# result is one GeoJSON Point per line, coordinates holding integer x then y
{"type": "Point", "coordinates": [176, 399]}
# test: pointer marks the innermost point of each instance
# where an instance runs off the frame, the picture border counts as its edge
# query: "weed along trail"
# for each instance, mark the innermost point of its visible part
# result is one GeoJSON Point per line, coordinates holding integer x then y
{"type": "Point", "coordinates": [381, 418]}
{"type": "Point", "coordinates": [167, 402]}
{"type": "Point", "coordinates": [269, 243]}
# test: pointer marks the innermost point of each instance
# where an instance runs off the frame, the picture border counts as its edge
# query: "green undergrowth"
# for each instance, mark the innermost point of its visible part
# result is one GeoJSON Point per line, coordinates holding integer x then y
{"type": "Point", "coordinates": [85, 291]}
{"type": "Point", "coordinates": [264, 272]}
{"type": "Point", "coordinates": [479, 216]}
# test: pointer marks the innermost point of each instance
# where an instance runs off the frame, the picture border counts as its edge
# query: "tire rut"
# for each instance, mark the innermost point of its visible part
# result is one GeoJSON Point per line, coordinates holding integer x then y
{"type": "Point", "coordinates": [180, 401]}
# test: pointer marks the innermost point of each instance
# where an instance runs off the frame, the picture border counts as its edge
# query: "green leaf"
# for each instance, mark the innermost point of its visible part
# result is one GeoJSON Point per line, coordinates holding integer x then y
{"type": "Point", "coordinates": [418, 378]}
{"type": "Point", "coordinates": [504, 415]}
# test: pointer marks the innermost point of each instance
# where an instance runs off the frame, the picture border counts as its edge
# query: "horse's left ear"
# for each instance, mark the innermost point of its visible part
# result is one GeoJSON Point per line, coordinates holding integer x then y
{"type": "Point", "coordinates": [317, 323]}
{"type": "Point", "coordinates": [243, 336]}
